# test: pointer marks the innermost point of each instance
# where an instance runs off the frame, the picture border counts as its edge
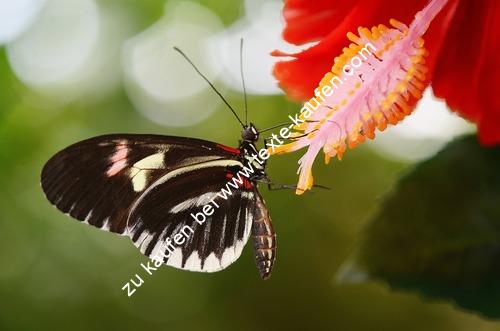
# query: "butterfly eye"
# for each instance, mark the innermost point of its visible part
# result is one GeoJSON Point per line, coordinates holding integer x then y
{"type": "Point", "coordinates": [250, 134]}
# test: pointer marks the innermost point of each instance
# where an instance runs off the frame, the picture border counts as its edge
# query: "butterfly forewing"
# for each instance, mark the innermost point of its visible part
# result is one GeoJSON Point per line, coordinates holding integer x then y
{"type": "Point", "coordinates": [96, 180]}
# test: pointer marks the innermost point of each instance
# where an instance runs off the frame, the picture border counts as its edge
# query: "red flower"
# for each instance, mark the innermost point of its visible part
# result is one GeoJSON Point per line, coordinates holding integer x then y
{"type": "Point", "coordinates": [463, 43]}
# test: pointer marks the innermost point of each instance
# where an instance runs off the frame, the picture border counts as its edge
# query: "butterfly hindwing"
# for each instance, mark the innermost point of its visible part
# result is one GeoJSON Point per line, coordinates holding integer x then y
{"type": "Point", "coordinates": [167, 208]}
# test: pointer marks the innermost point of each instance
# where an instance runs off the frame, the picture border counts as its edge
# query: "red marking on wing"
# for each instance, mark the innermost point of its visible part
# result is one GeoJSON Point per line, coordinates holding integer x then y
{"type": "Point", "coordinates": [229, 149]}
{"type": "Point", "coordinates": [245, 182]}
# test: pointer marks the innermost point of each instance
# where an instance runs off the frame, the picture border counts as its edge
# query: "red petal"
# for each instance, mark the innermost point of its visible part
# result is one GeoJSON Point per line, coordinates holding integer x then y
{"type": "Point", "coordinates": [308, 20]}
{"type": "Point", "coordinates": [467, 72]}
{"type": "Point", "coordinates": [489, 98]}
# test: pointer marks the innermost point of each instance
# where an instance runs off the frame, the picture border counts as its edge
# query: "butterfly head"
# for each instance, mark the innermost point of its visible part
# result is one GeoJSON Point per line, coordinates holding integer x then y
{"type": "Point", "coordinates": [250, 133]}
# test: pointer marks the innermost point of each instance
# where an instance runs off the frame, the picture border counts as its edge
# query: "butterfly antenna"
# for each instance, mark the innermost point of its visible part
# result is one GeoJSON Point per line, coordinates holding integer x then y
{"type": "Point", "coordinates": [243, 81]}
{"type": "Point", "coordinates": [275, 126]}
{"type": "Point", "coordinates": [284, 124]}
{"type": "Point", "coordinates": [211, 85]}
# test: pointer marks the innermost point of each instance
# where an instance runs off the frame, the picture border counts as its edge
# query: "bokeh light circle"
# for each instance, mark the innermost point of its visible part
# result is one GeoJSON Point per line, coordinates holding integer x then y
{"type": "Point", "coordinates": [57, 46]}
{"type": "Point", "coordinates": [160, 83]}
{"type": "Point", "coordinates": [17, 16]}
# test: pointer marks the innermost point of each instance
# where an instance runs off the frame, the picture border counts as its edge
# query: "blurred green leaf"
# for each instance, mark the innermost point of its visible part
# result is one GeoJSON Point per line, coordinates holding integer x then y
{"type": "Point", "coordinates": [438, 232]}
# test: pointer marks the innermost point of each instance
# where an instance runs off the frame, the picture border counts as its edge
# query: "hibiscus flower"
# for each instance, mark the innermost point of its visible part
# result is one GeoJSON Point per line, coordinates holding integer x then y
{"type": "Point", "coordinates": [460, 63]}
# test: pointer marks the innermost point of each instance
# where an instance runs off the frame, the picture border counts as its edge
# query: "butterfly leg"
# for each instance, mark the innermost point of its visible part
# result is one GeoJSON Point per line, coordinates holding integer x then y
{"type": "Point", "coordinates": [277, 186]}
{"type": "Point", "coordinates": [272, 186]}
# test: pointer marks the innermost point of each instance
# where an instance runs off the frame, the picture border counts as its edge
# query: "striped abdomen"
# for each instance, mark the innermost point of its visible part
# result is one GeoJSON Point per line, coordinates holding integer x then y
{"type": "Point", "coordinates": [264, 240]}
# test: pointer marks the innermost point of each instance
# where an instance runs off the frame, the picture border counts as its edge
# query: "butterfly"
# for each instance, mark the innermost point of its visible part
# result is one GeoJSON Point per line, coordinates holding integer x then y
{"type": "Point", "coordinates": [150, 188]}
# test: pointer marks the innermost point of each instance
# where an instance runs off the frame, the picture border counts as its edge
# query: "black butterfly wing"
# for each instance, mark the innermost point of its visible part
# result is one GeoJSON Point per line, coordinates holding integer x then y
{"type": "Point", "coordinates": [96, 180]}
{"type": "Point", "coordinates": [170, 208]}
{"type": "Point", "coordinates": [146, 186]}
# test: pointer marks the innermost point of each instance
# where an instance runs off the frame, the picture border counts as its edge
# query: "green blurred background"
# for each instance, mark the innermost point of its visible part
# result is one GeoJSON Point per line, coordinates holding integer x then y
{"type": "Point", "coordinates": [72, 69]}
